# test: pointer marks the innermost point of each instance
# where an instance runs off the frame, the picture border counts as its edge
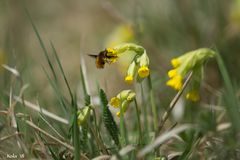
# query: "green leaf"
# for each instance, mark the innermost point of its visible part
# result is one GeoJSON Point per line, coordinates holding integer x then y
{"type": "Point", "coordinates": [108, 119]}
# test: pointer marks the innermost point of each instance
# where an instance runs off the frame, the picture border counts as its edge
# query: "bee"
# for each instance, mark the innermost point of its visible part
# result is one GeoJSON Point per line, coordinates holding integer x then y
{"type": "Point", "coordinates": [102, 58]}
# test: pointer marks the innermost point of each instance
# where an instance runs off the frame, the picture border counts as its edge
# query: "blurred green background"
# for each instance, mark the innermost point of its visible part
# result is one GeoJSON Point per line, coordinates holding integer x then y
{"type": "Point", "coordinates": [165, 28]}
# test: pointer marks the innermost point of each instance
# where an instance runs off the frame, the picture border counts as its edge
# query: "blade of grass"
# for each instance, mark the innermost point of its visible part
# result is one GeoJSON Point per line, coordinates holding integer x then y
{"type": "Point", "coordinates": [61, 69]}
{"type": "Point", "coordinates": [55, 83]}
{"type": "Point", "coordinates": [99, 142]}
{"type": "Point", "coordinates": [83, 81]}
{"type": "Point", "coordinates": [75, 132]}
{"type": "Point", "coordinates": [60, 97]}
{"type": "Point", "coordinates": [48, 60]}
{"type": "Point", "coordinates": [45, 112]}
{"type": "Point", "coordinates": [41, 44]}
{"type": "Point", "coordinates": [54, 156]}
{"type": "Point", "coordinates": [108, 119]}
{"type": "Point", "coordinates": [45, 120]}
{"type": "Point", "coordinates": [31, 124]}
{"type": "Point", "coordinates": [232, 104]}
{"type": "Point", "coordinates": [98, 134]}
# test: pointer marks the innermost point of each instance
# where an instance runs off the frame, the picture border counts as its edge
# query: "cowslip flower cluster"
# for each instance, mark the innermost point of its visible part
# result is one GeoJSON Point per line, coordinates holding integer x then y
{"type": "Point", "coordinates": [139, 65]}
{"type": "Point", "coordinates": [123, 99]}
{"type": "Point", "coordinates": [191, 61]}
{"type": "Point", "coordinates": [83, 115]}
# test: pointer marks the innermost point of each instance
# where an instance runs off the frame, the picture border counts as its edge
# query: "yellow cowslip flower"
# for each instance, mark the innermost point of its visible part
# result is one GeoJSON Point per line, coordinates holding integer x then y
{"type": "Point", "coordinates": [129, 79]}
{"type": "Point", "coordinates": [143, 71]}
{"type": "Point", "coordinates": [111, 55]}
{"type": "Point", "coordinates": [192, 61]}
{"type": "Point", "coordinates": [128, 95]}
{"type": "Point", "coordinates": [139, 64]}
{"type": "Point", "coordinates": [175, 62]}
{"type": "Point", "coordinates": [122, 100]}
{"type": "Point", "coordinates": [83, 114]}
{"type": "Point", "coordinates": [124, 107]}
{"type": "Point", "coordinates": [131, 72]}
{"type": "Point", "coordinates": [118, 114]}
{"type": "Point", "coordinates": [111, 51]}
{"type": "Point", "coordinates": [172, 73]}
{"type": "Point", "coordinates": [115, 102]}
{"type": "Point", "coordinates": [193, 96]}
{"type": "Point", "coordinates": [175, 82]}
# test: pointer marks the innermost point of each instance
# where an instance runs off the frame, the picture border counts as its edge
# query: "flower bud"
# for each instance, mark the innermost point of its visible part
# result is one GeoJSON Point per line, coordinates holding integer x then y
{"type": "Point", "coordinates": [123, 99]}
{"type": "Point", "coordinates": [131, 72]}
{"type": "Point", "coordinates": [83, 115]}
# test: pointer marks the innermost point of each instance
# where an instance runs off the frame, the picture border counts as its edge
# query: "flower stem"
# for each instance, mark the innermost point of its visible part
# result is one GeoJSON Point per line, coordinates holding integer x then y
{"type": "Point", "coordinates": [144, 109]}
{"type": "Point", "coordinates": [153, 106]}
{"type": "Point", "coordinates": [139, 122]}
{"type": "Point", "coordinates": [123, 133]}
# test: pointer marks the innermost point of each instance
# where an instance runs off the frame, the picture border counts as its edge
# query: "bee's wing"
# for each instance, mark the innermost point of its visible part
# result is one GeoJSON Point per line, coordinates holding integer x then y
{"type": "Point", "coordinates": [93, 55]}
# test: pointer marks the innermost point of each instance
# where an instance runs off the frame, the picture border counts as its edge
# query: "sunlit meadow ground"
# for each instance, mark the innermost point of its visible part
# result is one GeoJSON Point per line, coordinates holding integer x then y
{"type": "Point", "coordinates": [166, 29]}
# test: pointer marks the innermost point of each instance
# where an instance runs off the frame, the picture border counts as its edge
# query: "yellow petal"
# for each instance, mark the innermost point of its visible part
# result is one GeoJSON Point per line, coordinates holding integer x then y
{"type": "Point", "coordinates": [118, 114]}
{"type": "Point", "coordinates": [175, 82]}
{"type": "Point", "coordinates": [115, 102]}
{"type": "Point", "coordinates": [175, 62]}
{"type": "Point", "coordinates": [172, 73]}
{"type": "Point", "coordinates": [111, 51]}
{"type": "Point", "coordinates": [129, 79]}
{"type": "Point", "coordinates": [143, 71]}
{"type": "Point", "coordinates": [193, 96]}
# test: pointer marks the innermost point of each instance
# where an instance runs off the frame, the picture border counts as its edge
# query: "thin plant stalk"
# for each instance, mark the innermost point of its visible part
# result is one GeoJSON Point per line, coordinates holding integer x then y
{"type": "Point", "coordinates": [97, 135]}
{"type": "Point", "coordinates": [153, 105]}
{"type": "Point", "coordinates": [144, 109]}
{"type": "Point", "coordinates": [68, 146]}
{"type": "Point", "coordinates": [98, 141]}
{"type": "Point", "coordinates": [139, 122]}
{"type": "Point", "coordinates": [173, 103]}
{"type": "Point", "coordinates": [123, 133]}
{"type": "Point", "coordinates": [75, 133]}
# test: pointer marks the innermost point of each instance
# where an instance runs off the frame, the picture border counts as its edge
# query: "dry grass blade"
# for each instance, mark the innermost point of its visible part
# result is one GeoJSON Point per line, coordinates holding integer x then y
{"type": "Point", "coordinates": [12, 70]}
{"type": "Point", "coordinates": [41, 110]}
{"type": "Point", "coordinates": [159, 140]}
{"type": "Point", "coordinates": [55, 131]}
{"type": "Point", "coordinates": [50, 136]}
{"type": "Point", "coordinates": [9, 136]}
{"type": "Point", "coordinates": [102, 157]}
{"type": "Point", "coordinates": [124, 151]}
{"type": "Point", "coordinates": [173, 103]}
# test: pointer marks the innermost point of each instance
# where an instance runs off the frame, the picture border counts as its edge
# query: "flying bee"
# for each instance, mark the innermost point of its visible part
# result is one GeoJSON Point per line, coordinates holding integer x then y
{"type": "Point", "coordinates": [104, 57]}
